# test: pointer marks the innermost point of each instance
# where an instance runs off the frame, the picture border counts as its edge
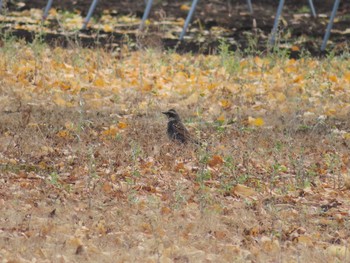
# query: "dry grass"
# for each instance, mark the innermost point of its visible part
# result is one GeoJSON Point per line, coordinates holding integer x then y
{"type": "Point", "coordinates": [72, 192]}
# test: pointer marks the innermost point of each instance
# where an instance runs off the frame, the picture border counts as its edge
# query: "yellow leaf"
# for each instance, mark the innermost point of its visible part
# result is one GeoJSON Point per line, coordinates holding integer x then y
{"type": "Point", "coordinates": [108, 28]}
{"type": "Point", "coordinates": [147, 86]}
{"type": "Point", "coordinates": [180, 21]}
{"type": "Point", "coordinates": [63, 85]}
{"type": "Point", "coordinates": [64, 134]}
{"type": "Point", "coordinates": [290, 69]}
{"type": "Point", "coordinates": [338, 88]}
{"type": "Point", "coordinates": [111, 132]}
{"type": "Point", "coordinates": [330, 112]}
{"type": "Point", "coordinates": [346, 136]}
{"type": "Point", "coordinates": [292, 61]}
{"type": "Point", "coordinates": [53, 12]}
{"type": "Point", "coordinates": [256, 121]}
{"type": "Point", "coordinates": [333, 78]}
{"type": "Point", "coordinates": [347, 76]}
{"type": "Point", "coordinates": [298, 79]}
{"type": "Point", "coordinates": [258, 61]}
{"type": "Point", "coordinates": [99, 82]}
{"type": "Point", "coordinates": [295, 48]}
{"type": "Point", "coordinates": [225, 104]}
{"type": "Point", "coordinates": [185, 7]}
{"type": "Point", "coordinates": [74, 241]}
{"type": "Point", "coordinates": [122, 125]}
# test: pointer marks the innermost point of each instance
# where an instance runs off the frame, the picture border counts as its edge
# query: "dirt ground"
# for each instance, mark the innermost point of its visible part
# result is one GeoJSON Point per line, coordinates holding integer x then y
{"type": "Point", "coordinates": [298, 27]}
{"type": "Point", "coordinates": [88, 174]}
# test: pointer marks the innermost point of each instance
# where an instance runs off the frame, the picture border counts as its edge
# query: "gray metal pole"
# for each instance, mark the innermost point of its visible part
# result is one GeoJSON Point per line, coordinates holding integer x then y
{"type": "Point", "coordinates": [145, 14]}
{"type": "Point", "coordinates": [91, 11]}
{"type": "Point", "coordinates": [277, 19]}
{"type": "Point", "coordinates": [330, 24]}
{"type": "Point", "coordinates": [250, 7]}
{"type": "Point", "coordinates": [188, 19]}
{"type": "Point", "coordinates": [312, 7]}
{"type": "Point", "coordinates": [47, 9]}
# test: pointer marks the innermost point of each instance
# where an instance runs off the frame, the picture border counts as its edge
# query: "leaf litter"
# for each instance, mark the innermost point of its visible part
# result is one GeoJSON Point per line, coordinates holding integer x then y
{"type": "Point", "coordinates": [87, 171]}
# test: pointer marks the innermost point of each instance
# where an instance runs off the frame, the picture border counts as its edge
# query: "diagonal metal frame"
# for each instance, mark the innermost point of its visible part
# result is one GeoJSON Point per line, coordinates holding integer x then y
{"type": "Point", "coordinates": [278, 16]}
{"type": "Point", "coordinates": [90, 12]}
{"type": "Point", "coordinates": [47, 9]}
{"type": "Point", "coordinates": [330, 24]}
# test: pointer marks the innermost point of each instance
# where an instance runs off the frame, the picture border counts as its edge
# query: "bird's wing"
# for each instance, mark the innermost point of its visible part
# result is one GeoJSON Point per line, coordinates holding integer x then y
{"type": "Point", "coordinates": [180, 128]}
{"type": "Point", "coordinates": [182, 133]}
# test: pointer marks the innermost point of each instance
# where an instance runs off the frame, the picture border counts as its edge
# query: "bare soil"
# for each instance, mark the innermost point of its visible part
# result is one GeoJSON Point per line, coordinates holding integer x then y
{"type": "Point", "coordinates": [298, 27]}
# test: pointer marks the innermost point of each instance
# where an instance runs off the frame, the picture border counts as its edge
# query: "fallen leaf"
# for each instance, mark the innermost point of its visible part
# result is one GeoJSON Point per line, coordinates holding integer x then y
{"type": "Point", "coordinates": [216, 160]}
{"type": "Point", "coordinates": [243, 191]}
{"type": "Point", "coordinates": [255, 121]}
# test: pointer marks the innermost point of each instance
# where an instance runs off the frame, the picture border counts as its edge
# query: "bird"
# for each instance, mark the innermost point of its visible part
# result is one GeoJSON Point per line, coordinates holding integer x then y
{"type": "Point", "coordinates": [176, 130]}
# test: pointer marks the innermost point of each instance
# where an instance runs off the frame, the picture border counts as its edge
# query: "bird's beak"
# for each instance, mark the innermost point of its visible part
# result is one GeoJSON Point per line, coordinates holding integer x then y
{"type": "Point", "coordinates": [165, 112]}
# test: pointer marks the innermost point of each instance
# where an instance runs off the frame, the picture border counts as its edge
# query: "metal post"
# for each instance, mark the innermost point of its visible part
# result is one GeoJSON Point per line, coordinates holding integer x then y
{"type": "Point", "coordinates": [312, 7]}
{"type": "Point", "coordinates": [91, 11]}
{"type": "Point", "coordinates": [188, 19]}
{"type": "Point", "coordinates": [277, 19]}
{"type": "Point", "coordinates": [330, 24]}
{"type": "Point", "coordinates": [47, 9]}
{"type": "Point", "coordinates": [250, 7]}
{"type": "Point", "coordinates": [146, 13]}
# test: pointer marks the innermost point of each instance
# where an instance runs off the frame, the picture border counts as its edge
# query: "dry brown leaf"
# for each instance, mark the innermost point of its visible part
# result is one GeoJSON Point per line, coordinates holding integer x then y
{"type": "Point", "coordinates": [244, 191]}
{"type": "Point", "coordinates": [216, 160]}
{"type": "Point", "coordinates": [107, 188]}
